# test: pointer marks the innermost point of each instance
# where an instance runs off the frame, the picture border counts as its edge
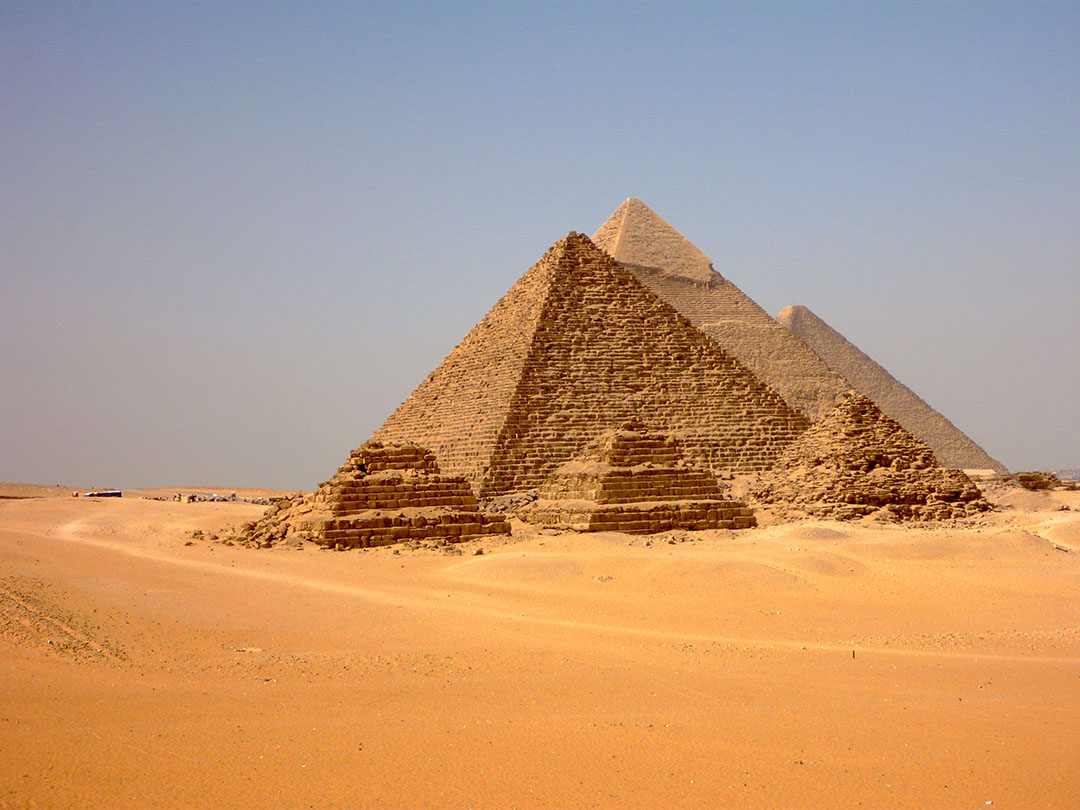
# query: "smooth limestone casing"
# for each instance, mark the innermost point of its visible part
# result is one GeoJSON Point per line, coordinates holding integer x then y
{"type": "Point", "coordinates": [801, 357]}
{"type": "Point", "coordinates": [678, 272]}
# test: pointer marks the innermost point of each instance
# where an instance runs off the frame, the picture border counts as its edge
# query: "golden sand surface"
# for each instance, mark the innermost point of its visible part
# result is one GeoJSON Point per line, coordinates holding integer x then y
{"type": "Point", "coordinates": [805, 665]}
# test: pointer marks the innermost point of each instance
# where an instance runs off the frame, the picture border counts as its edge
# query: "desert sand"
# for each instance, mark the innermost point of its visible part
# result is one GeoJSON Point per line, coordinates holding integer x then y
{"type": "Point", "coordinates": [803, 665]}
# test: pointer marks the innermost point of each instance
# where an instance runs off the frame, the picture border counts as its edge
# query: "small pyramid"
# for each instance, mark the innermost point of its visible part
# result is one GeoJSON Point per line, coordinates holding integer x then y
{"type": "Point", "coordinates": [952, 447]}
{"type": "Point", "coordinates": [577, 347]}
{"type": "Point", "coordinates": [857, 461]}
{"type": "Point", "coordinates": [382, 494]}
{"type": "Point", "coordinates": [678, 272]}
{"type": "Point", "coordinates": [634, 481]}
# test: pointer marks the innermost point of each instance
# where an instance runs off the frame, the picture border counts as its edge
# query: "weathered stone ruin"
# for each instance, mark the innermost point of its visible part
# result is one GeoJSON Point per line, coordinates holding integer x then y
{"type": "Point", "coordinates": [383, 494]}
{"type": "Point", "coordinates": [577, 347]}
{"type": "Point", "coordinates": [951, 446]}
{"type": "Point", "coordinates": [857, 462]}
{"type": "Point", "coordinates": [1035, 480]}
{"type": "Point", "coordinates": [630, 480]}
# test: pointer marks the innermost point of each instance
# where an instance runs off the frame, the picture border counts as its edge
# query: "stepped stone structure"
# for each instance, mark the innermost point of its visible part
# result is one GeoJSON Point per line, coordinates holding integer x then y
{"type": "Point", "coordinates": [678, 272]}
{"type": "Point", "coordinates": [951, 446]}
{"type": "Point", "coordinates": [577, 347]}
{"type": "Point", "coordinates": [857, 461]}
{"type": "Point", "coordinates": [1038, 479]}
{"type": "Point", "coordinates": [383, 494]}
{"type": "Point", "coordinates": [631, 480]}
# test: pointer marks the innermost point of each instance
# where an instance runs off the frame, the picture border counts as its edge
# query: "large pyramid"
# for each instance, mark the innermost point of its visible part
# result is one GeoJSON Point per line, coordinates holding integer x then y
{"type": "Point", "coordinates": [673, 268]}
{"type": "Point", "coordinates": [952, 447]}
{"type": "Point", "coordinates": [578, 347]}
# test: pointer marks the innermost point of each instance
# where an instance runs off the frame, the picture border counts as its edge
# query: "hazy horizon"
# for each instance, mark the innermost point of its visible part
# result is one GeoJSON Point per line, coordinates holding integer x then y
{"type": "Point", "coordinates": [237, 236]}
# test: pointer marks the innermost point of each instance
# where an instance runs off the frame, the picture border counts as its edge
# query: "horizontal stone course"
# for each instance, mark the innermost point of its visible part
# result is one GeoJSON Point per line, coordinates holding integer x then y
{"type": "Point", "coordinates": [384, 493]}
{"type": "Point", "coordinates": [600, 491]}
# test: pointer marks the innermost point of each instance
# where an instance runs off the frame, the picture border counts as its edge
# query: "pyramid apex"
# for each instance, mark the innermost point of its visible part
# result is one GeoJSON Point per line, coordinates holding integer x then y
{"type": "Point", "coordinates": [573, 243]}
{"type": "Point", "coordinates": [635, 234]}
{"type": "Point", "coordinates": [794, 312]}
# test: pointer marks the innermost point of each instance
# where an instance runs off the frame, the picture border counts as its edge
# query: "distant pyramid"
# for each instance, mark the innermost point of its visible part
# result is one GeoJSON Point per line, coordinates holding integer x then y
{"type": "Point", "coordinates": [575, 348]}
{"type": "Point", "coordinates": [857, 461]}
{"type": "Point", "coordinates": [951, 446]}
{"type": "Point", "coordinates": [673, 268]}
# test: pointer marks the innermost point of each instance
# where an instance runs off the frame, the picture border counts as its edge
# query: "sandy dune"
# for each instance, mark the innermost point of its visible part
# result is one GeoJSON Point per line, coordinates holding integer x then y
{"type": "Point", "coordinates": [552, 671]}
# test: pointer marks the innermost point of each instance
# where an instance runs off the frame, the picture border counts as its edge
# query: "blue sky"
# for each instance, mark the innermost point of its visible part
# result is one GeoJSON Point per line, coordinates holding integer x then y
{"type": "Point", "coordinates": [235, 236]}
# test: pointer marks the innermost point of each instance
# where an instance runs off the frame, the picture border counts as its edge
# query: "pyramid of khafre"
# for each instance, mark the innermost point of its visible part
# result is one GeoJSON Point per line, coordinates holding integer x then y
{"type": "Point", "coordinates": [577, 347]}
{"type": "Point", "coordinates": [951, 446]}
{"type": "Point", "coordinates": [673, 268]}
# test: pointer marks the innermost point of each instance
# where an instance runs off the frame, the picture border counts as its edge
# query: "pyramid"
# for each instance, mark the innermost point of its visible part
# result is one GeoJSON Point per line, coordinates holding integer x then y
{"type": "Point", "coordinates": [951, 446]}
{"type": "Point", "coordinates": [634, 481]}
{"type": "Point", "coordinates": [673, 268]}
{"type": "Point", "coordinates": [577, 347]}
{"type": "Point", "coordinates": [857, 461]}
{"type": "Point", "coordinates": [382, 494]}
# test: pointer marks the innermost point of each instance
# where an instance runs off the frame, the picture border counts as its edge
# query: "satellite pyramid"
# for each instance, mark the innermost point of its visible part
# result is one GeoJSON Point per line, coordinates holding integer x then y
{"type": "Point", "coordinates": [951, 446]}
{"type": "Point", "coordinates": [383, 494]}
{"type": "Point", "coordinates": [672, 267]}
{"type": "Point", "coordinates": [578, 347]}
{"type": "Point", "coordinates": [631, 480]}
{"type": "Point", "coordinates": [857, 461]}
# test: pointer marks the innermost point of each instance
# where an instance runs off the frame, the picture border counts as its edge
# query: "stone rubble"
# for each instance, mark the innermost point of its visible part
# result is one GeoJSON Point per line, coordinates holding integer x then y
{"type": "Point", "coordinates": [799, 356]}
{"type": "Point", "coordinates": [858, 462]}
{"type": "Point", "coordinates": [951, 446]}
{"type": "Point", "coordinates": [1036, 479]}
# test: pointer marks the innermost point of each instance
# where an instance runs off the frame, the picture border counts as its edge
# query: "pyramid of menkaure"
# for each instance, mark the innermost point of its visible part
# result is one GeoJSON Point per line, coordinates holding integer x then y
{"type": "Point", "coordinates": [577, 347]}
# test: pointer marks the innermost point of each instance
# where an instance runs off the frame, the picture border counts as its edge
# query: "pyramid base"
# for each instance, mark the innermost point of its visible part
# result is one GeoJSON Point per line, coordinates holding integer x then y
{"type": "Point", "coordinates": [385, 527]}
{"type": "Point", "coordinates": [638, 518]}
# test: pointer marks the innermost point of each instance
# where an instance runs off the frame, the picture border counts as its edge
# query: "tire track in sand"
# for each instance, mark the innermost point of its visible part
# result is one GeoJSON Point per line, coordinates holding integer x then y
{"type": "Point", "coordinates": [425, 599]}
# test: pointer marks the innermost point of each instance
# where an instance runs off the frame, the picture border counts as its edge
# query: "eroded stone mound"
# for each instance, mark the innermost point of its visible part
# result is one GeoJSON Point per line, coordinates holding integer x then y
{"type": "Point", "coordinates": [857, 462]}
{"type": "Point", "coordinates": [631, 480]}
{"type": "Point", "coordinates": [383, 494]}
{"type": "Point", "coordinates": [1038, 479]}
